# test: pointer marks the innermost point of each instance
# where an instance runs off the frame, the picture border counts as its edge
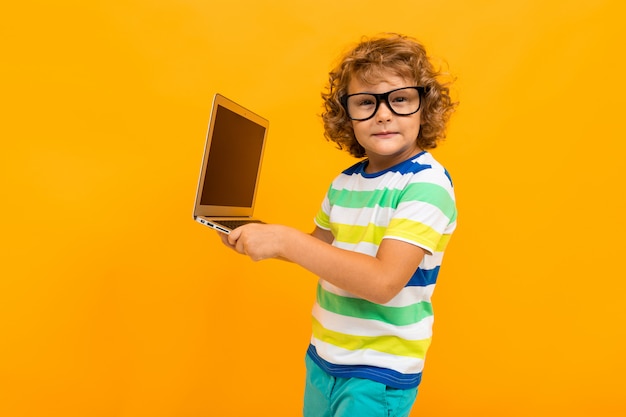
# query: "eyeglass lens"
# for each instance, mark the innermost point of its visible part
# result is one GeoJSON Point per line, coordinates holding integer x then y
{"type": "Point", "coordinates": [404, 101]}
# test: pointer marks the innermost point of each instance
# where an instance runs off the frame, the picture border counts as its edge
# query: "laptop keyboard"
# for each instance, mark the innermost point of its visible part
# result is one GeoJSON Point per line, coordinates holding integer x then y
{"type": "Point", "coordinates": [233, 224]}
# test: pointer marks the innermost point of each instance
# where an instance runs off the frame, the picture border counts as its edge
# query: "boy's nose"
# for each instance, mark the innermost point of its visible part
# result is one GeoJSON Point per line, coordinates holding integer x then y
{"type": "Point", "coordinates": [383, 113]}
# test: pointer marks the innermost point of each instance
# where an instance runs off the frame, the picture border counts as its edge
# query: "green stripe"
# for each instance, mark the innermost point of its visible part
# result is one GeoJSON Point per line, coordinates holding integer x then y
{"type": "Point", "coordinates": [388, 344]}
{"type": "Point", "coordinates": [425, 192]}
{"type": "Point", "coordinates": [363, 309]}
{"type": "Point", "coordinates": [359, 199]}
{"type": "Point", "coordinates": [432, 194]}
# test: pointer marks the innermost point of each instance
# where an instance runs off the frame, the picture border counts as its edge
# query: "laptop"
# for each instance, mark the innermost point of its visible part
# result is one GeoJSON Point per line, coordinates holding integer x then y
{"type": "Point", "coordinates": [229, 176]}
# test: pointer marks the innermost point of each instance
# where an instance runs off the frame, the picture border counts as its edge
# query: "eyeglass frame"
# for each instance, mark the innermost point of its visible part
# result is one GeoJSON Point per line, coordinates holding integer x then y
{"type": "Point", "coordinates": [383, 97]}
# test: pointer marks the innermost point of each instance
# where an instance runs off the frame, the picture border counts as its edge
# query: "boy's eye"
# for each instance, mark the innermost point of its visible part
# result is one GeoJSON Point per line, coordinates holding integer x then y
{"type": "Point", "coordinates": [366, 101]}
{"type": "Point", "coordinates": [399, 99]}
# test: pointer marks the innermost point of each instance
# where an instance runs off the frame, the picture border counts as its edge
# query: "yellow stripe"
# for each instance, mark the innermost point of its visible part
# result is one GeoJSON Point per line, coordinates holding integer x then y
{"type": "Point", "coordinates": [356, 234]}
{"type": "Point", "coordinates": [414, 231]}
{"type": "Point", "coordinates": [387, 344]}
{"type": "Point", "coordinates": [443, 243]}
{"type": "Point", "coordinates": [322, 219]}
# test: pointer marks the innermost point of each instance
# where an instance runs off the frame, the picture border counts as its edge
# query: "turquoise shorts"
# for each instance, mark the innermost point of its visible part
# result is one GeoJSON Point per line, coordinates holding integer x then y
{"type": "Point", "coordinates": [327, 396]}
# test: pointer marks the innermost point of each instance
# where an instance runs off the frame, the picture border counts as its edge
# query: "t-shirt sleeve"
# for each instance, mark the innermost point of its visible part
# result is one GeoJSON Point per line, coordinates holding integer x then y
{"type": "Point", "coordinates": [425, 216]}
{"type": "Point", "coordinates": [322, 219]}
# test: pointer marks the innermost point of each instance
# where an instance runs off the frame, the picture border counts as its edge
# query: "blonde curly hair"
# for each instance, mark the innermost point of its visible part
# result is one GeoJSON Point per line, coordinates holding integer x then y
{"type": "Point", "coordinates": [368, 61]}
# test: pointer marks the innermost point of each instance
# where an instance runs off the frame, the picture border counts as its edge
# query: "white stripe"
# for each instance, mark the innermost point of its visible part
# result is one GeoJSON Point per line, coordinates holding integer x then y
{"type": "Point", "coordinates": [432, 261]}
{"type": "Point", "coordinates": [361, 216]}
{"type": "Point", "coordinates": [437, 173]}
{"type": "Point", "coordinates": [412, 295]}
{"type": "Point", "coordinates": [391, 180]}
{"type": "Point", "coordinates": [361, 327]}
{"type": "Point", "coordinates": [363, 247]}
{"type": "Point", "coordinates": [426, 248]}
{"type": "Point", "coordinates": [335, 290]}
{"type": "Point", "coordinates": [406, 297]}
{"type": "Point", "coordinates": [425, 213]}
{"type": "Point", "coordinates": [325, 208]}
{"type": "Point", "coordinates": [395, 180]}
{"type": "Point", "coordinates": [434, 177]}
{"type": "Point", "coordinates": [412, 210]}
{"type": "Point", "coordinates": [339, 356]}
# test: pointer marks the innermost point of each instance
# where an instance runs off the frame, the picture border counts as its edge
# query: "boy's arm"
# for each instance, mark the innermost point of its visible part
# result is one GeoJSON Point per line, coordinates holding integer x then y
{"type": "Point", "coordinates": [377, 279]}
{"type": "Point", "coordinates": [318, 233]}
{"type": "Point", "coordinates": [323, 235]}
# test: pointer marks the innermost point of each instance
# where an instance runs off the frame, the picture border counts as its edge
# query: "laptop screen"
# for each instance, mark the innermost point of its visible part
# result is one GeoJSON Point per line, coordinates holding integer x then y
{"type": "Point", "coordinates": [234, 157]}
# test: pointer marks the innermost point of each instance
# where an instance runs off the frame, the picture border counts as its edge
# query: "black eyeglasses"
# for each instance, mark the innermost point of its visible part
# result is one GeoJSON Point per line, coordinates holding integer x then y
{"type": "Point", "coordinates": [401, 101]}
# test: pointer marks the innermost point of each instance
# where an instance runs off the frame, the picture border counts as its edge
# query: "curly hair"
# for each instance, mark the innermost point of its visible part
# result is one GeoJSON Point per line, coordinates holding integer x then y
{"type": "Point", "coordinates": [368, 62]}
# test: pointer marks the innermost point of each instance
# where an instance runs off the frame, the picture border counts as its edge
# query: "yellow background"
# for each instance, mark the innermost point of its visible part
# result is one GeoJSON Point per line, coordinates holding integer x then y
{"type": "Point", "coordinates": [113, 302]}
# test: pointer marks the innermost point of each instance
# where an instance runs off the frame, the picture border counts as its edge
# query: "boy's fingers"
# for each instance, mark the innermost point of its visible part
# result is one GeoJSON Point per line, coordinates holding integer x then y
{"type": "Point", "coordinates": [233, 236]}
{"type": "Point", "coordinates": [224, 238]}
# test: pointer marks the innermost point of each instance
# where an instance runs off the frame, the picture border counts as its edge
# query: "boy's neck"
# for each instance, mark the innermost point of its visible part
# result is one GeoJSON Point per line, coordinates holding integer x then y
{"type": "Point", "coordinates": [376, 164]}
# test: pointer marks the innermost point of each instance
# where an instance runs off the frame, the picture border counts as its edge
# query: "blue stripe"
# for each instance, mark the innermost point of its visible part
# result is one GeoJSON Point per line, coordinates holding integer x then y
{"type": "Point", "coordinates": [356, 168]}
{"type": "Point", "coordinates": [423, 277]}
{"type": "Point", "coordinates": [445, 171]}
{"type": "Point", "coordinates": [405, 167]}
{"type": "Point", "coordinates": [388, 377]}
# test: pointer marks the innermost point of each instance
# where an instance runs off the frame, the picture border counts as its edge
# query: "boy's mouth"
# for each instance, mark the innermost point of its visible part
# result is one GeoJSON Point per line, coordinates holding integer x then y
{"type": "Point", "coordinates": [385, 134]}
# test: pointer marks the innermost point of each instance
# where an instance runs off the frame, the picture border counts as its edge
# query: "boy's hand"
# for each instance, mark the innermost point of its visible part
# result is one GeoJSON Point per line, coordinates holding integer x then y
{"type": "Point", "coordinates": [258, 241]}
{"type": "Point", "coordinates": [225, 241]}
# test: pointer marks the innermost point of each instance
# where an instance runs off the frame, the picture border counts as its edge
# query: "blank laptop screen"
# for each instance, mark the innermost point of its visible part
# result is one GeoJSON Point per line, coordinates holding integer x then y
{"type": "Point", "coordinates": [234, 159]}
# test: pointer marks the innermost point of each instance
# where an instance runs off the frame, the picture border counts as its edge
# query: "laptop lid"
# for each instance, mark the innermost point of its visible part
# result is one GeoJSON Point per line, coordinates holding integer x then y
{"type": "Point", "coordinates": [229, 176]}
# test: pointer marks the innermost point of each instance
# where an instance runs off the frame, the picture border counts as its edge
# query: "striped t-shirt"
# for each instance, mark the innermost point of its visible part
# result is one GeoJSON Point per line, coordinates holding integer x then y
{"type": "Point", "coordinates": [352, 337]}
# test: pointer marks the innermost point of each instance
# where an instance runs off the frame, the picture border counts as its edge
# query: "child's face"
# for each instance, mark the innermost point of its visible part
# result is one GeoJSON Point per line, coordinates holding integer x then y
{"type": "Point", "coordinates": [388, 139]}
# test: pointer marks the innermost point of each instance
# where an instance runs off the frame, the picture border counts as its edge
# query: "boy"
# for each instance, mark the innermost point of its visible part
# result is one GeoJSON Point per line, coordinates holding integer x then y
{"type": "Point", "coordinates": [379, 236]}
